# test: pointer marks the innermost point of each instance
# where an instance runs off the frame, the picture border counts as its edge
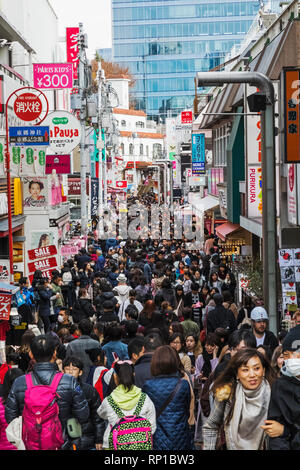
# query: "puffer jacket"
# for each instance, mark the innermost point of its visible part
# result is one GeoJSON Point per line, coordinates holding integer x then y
{"type": "Point", "coordinates": [71, 400]}
{"type": "Point", "coordinates": [4, 443]}
{"type": "Point", "coordinates": [173, 431]}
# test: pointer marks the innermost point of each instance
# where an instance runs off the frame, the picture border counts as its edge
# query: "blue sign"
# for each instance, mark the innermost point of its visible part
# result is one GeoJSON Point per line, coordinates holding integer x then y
{"type": "Point", "coordinates": [198, 154]}
{"type": "Point", "coordinates": [36, 135]}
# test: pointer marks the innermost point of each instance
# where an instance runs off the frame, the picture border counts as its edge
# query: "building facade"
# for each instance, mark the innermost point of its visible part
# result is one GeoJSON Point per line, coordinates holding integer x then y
{"type": "Point", "coordinates": [165, 43]}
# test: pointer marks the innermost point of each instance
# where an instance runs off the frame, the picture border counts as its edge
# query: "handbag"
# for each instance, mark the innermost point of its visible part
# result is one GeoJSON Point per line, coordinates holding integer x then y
{"type": "Point", "coordinates": [169, 399]}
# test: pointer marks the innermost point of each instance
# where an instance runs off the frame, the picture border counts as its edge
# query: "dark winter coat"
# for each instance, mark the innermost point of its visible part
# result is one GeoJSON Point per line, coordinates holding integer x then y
{"type": "Point", "coordinates": [172, 432]}
{"type": "Point", "coordinates": [142, 370]}
{"type": "Point", "coordinates": [44, 302]}
{"type": "Point", "coordinates": [284, 407]}
{"type": "Point", "coordinates": [220, 317]}
{"type": "Point", "coordinates": [71, 400]}
{"type": "Point", "coordinates": [93, 429]}
{"type": "Point", "coordinates": [83, 308]}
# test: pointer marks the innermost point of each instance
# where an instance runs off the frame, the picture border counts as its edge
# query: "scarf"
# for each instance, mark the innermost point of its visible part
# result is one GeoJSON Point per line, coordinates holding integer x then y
{"type": "Point", "coordinates": [126, 399]}
{"type": "Point", "coordinates": [250, 412]}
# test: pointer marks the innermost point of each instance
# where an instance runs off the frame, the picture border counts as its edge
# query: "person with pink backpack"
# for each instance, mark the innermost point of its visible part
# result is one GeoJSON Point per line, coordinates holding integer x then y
{"type": "Point", "coordinates": [46, 399]}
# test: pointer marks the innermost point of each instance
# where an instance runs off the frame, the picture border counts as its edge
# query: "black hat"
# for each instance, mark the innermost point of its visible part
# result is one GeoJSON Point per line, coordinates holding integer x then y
{"type": "Point", "coordinates": [108, 304]}
{"type": "Point", "coordinates": [292, 340]}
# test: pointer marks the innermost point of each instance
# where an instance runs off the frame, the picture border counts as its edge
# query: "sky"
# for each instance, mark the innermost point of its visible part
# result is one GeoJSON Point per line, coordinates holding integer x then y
{"type": "Point", "coordinates": [95, 16]}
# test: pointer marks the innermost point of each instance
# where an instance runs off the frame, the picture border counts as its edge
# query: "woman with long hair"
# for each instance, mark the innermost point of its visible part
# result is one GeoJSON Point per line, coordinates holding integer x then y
{"type": "Point", "coordinates": [171, 393]}
{"type": "Point", "coordinates": [145, 317]}
{"type": "Point", "coordinates": [277, 360]}
{"type": "Point", "coordinates": [242, 394]}
{"type": "Point", "coordinates": [125, 399]}
{"type": "Point", "coordinates": [177, 342]}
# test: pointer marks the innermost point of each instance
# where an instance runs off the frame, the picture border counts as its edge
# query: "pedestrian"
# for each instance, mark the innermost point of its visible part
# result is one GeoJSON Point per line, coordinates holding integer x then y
{"type": "Point", "coordinates": [46, 295]}
{"type": "Point", "coordinates": [113, 346]}
{"type": "Point", "coordinates": [188, 325]}
{"type": "Point", "coordinates": [285, 398]}
{"type": "Point", "coordinates": [277, 360]}
{"type": "Point", "coordinates": [9, 379]}
{"type": "Point", "coordinates": [70, 399]}
{"type": "Point", "coordinates": [260, 320]}
{"type": "Point", "coordinates": [83, 308]}
{"type": "Point", "coordinates": [193, 348]}
{"type": "Point", "coordinates": [142, 365]}
{"type": "Point", "coordinates": [177, 343]}
{"type": "Point", "coordinates": [93, 428]}
{"type": "Point", "coordinates": [125, 399]}
{"type": "Point", "coordinates": [242, 394]}
{"type": "Point", "coordinates": [220, 317]}
{"type": "Point", "coordinates": [79, 346]}
{"type": "Point", "coordinates": [171, 394]}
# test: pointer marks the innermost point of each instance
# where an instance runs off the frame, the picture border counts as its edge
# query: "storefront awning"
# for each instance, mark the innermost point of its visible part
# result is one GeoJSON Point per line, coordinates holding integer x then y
{"type": "Point", "coordinates": [17, 223]}
{"type": "Point", "coordinates": [226, 229]}
{"type": "Point", "coordinates": [203, 204]}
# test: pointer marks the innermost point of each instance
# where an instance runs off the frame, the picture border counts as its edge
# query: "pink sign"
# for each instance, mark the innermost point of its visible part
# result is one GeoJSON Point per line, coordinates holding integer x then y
{"type": "Point", "coordinates": [72, 38]}
{"type": "Point", "coordinates": [69, 250]}
{"type": "Point", "coordinates": [60, 163]}
{"type": "Point", "coordinates": [53, 76]}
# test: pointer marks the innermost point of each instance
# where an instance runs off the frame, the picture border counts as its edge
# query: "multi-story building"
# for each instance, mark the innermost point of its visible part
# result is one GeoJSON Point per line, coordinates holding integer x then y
{"type": "Point", "coordinates": [165, 43]}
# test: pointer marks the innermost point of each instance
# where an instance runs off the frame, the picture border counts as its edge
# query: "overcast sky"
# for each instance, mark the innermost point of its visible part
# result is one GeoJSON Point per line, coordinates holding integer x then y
{"type": "Point", "coordinates": [95, 16]}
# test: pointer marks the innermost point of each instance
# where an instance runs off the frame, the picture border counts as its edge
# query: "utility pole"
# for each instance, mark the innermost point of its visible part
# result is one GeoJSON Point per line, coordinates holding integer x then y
{"type": "Point", "coordinates": [265, 85]}
{"type": "Point", "coordinates": [83, 158]}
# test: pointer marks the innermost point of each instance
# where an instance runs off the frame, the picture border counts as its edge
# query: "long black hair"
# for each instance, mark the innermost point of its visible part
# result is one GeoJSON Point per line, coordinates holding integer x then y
{"type": "Point", "coordinates": [125, 374]}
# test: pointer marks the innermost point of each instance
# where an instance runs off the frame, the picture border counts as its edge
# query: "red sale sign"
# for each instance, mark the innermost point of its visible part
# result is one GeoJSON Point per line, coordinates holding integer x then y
{"type": "Point", "coordinates": [46, 274]}
{"type": "Point", "coordinates": [53, 76]}
{"type": "Point", "coordinates": [72, 37]}
{"type": "Point", "coordinates": [5, 305]}
{"type": "Point", "coordinates": [42, 264]}
{"type": "Point", "coordinates": [43, 252]}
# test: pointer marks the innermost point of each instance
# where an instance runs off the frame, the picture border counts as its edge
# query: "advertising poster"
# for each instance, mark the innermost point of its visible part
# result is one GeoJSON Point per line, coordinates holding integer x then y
{"type": "Point", "coordinates": [289, 262]}
{"type": "Point", "coordinates": [286, 258]}
{"type": "Point", "coordinates": [40, 239]}
{"type": "Point", "coordinates": [35, 194]}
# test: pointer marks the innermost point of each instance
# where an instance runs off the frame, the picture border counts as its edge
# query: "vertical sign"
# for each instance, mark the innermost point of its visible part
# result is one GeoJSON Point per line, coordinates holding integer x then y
{"type": "Point", "coordinates": [198, 154]}
{"type": "Point", "coordinates": [292, 115]}
{"type": "Point", "coordinates": [94, 196]}
{"type": "Point", "coordinates": [292, 194]}
{"type": "Point", "coordinates": [72, 39]}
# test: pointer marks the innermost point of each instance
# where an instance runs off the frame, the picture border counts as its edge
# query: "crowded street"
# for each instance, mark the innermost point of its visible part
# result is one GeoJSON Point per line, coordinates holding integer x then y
{"type": "Point", "coordinates": [150, 229]}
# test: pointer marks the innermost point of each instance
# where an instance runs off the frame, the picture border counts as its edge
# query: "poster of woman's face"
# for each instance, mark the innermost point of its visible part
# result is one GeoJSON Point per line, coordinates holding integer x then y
{"type": "Point", "coordinates": [35, 194]}
{"type": "Point", "coordinates": [39, 239]}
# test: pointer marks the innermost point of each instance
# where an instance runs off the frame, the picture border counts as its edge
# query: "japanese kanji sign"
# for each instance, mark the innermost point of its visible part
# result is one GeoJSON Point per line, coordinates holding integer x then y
{"type": "Point", "coordinates": [72, 36]}
{"type": "Point", "coordinates": [5, 305]}
{"type": "Point", "coordinates": [291, 80]}
{"type": "Point", "coordinates": [198, 154]}
{"type": "Point", "coordinates": [28, 107]}
{"type": "Point", "coordinates": [60, 163]}
{"type": "Point", "coordinates": [186, 117]}
{"type": "Point", "coordinates": [37, 135]}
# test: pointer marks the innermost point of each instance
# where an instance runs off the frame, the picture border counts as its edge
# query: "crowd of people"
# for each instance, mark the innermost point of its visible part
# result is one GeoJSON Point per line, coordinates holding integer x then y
{"type": "Point", "coordinates": [148, 329]}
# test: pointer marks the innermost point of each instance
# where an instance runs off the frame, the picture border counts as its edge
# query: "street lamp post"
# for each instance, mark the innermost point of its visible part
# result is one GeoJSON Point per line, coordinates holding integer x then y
{"type": "Point", "coordinates": [265, 85]}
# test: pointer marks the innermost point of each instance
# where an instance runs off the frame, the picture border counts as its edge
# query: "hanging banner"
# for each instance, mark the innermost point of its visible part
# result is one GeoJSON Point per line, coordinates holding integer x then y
{"type": "Point", "coordinates": [72, 39]}
{"type": "Point", "coordinates": [60, 163]}
{"type": "Point", "coordinates": [291, 131]}
{"type": "Point", "coordinates": [94, 196]}
{"type": "Point", "coordinates": [5, 306]}
{"type": "Point", "coordinates": [292, 201]}
{"type": "Point", "coordinates": [254, 191]}
{"type": "Point", "coordinates": [198, 154]}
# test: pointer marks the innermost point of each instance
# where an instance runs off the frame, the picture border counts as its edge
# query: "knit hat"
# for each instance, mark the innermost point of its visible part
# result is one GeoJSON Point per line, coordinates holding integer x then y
{"type": "Point", "coordinates": [258, 314]}
{"type": "Point", "coordinates": [292, 340]}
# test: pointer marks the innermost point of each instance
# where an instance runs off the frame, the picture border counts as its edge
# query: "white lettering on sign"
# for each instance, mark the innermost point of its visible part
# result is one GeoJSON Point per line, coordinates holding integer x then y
{"type": "Point", "coordinates": [42, 252]}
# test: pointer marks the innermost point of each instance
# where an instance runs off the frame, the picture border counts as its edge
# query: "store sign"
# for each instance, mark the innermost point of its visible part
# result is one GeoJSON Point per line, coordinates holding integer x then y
{"type": "Point", "coordinates": [5, 306]}
{"type": "Point", "coordinates": [254, 191]}
{"type": "Point", "coordinates": [69, 250]}
{"type": "Point", "coordinates": [291, 83]}
{"type": "Point", "coordinates": [198, 154]}
{"type": "Point", "coordinates": [94, 196]}
{"type": "Point", "coordinates": [60, 163]}
{"type": "Point", "coordinates": [53, 76]}
{"type": "Point", "coordinates": [4, 270]}
{"type": "Point", "coordinates": [186, 117]}
{"type": "Point", "coordinates": [65, 131]}
{"type": "Point", "coordinates": [121, 184]}
{"type": "Point", "coordinates": [43, 252]}
{"type": "Point", "coordinates": [292, 201]}
{"type": "Point", "coordinates": [42, 264]}
{"type": "Point", "coordinates": [37, 135]}
{"type": "Point", "coordinates": [72, 41]}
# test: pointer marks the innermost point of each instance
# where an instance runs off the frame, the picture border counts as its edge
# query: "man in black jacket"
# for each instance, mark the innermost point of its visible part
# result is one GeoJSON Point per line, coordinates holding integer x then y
{"type": "Point", "coordinates": [108, 315]}
{"type": "Point", "coordinates": [263, 336]}
{"type": "Point", "coordinates": [70, 398]}
{"type": "Point", "coordinates": [220, 317]}
{"type": "Point", "coordinates": [142, 367]}
{"type": "Point", "coordinates": [93, 429]}
{"type": "Point", "coordinates": [284, 406]}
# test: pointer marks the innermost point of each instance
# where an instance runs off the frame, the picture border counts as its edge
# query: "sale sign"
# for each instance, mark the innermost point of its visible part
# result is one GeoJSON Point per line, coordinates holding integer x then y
{"type": "Point", "coordinates": [43, 252]}
{"type": "Point", "coordinates": [45, 274]}
{"type": "Point", "coordinates": [72, 38]}
{"type": "Point", "coordinates": [42, 264]}
{"type": "Point", "coordinates": [5, 305]}
{"type": "Point", "coordinates": [69, 250]}
{"type": "Point", "coordinates": [53, 76]}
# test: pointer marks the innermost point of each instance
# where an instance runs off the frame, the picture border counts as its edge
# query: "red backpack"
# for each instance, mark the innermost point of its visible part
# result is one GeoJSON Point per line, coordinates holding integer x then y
{"type": "Point", "coordinates": [42, 428]}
